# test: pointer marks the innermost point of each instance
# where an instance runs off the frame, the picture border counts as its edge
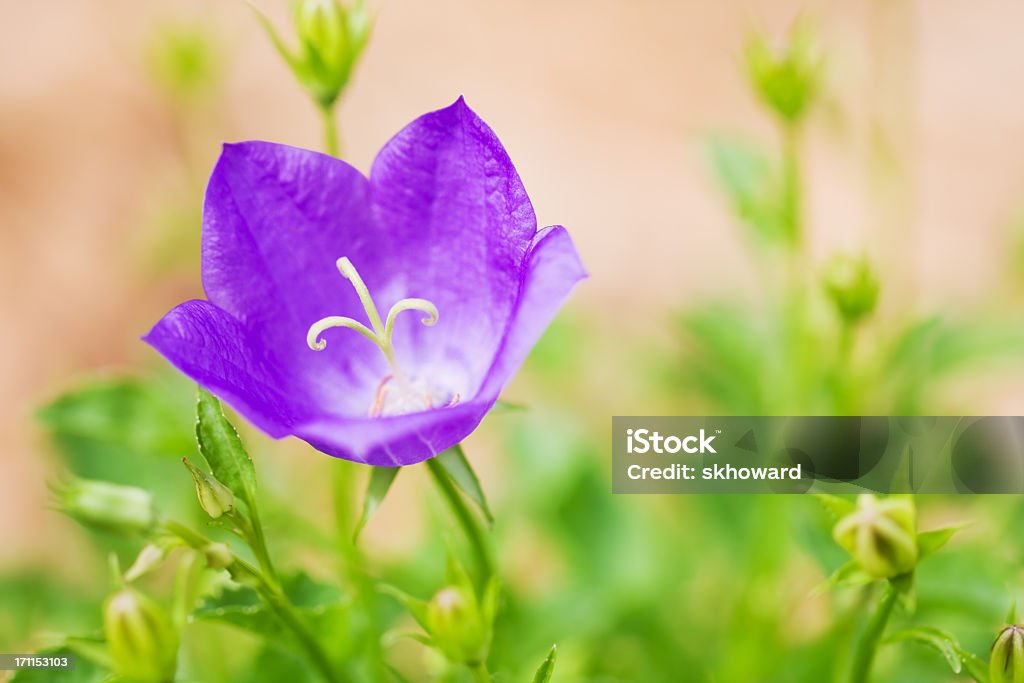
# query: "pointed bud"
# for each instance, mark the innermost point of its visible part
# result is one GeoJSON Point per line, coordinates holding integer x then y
{"type": "Point", "coordinates": [1006, 662]}
{"type": "Point", "coordinates": [218, 556]}
{"type": "Point", "coordinates": [880, 535]}
{"type": "Point", "coordinates": [214, 497]}
{"type": "Point", "coordinates": [142, 641]}
{"type": "Point", "coordinates": [106, 506]}
{"type": "Point", "coordinates": [786, 79]}
{"type": "Point", "coordinates": [149, 558]}
{"type": "Point", "coordinates": [331, 37]}
{"type": "Point", "coordinates": [852, 286]}
{"type": "Point", "coordinates": [457, 626]}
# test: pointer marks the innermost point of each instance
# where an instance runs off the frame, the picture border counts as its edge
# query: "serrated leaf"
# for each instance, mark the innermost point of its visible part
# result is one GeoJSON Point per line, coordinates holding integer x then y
{"type": "Point", "coordinates": [836, 507]}
{"type": "Point", "coordinates": [929, 542]}
{"type": "Point", "coordinates": [457, 467]}
{"type": "Point", "coordinates": [940, 640]}
{"type": "Point", "coordinates": [222, 448]}
{"type": "Point", "coordinates": [381, 479]}
{"type": "Point", "coordinates": [547, 667]}
{"type": "Point", "coordinates": [324, 607]}
{"type": "Point", "coordinates": [120, 416]}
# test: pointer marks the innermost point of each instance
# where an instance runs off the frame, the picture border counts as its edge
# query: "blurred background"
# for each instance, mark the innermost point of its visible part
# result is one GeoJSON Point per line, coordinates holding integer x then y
{"type": "Point", "coordinates": [111, 117]}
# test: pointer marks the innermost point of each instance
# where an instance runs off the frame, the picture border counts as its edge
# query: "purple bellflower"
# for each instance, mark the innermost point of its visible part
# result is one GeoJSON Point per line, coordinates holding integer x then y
{"type": "Point", "coordinates": [308, 267]}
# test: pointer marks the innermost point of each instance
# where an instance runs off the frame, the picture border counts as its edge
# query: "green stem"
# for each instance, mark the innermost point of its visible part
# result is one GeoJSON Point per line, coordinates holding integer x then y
{"type": "Point", "coordinates": [867, 644]}
{"type": "Point", "coordinates": [275, 598]}
{"type": "Point", "coordinates": [470, 526]}
{"type": "Point", "coordinates": [792, 186]}
{"type": "Point", "coordinates": [332, 145]}
{"type": "Point", "coordinates": [480, 673]}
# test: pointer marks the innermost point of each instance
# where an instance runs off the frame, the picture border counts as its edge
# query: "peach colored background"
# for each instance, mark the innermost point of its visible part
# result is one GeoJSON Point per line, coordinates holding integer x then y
{"type": "Point", "coordinates": [600, 103]}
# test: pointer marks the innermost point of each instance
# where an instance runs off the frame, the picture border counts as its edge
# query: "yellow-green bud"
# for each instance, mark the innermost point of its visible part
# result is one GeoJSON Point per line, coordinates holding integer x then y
{"type": "Point", "coordinates": [218, 556]}
{"type": "Point", "coordinates": [1006, 662]}
{"type": "Point", "coordinates": [852, 286]}
{"type": "Point", "coordinates": [141, 639]}
{"type": "Point", "coordinates": [214, 497]}
{"type": "Point", "coordinates": [111, 507]}
{"type": "Point", "coordinates": [457, 626]}
{"type": "Point", "coordinates": [786, 79]}
{"type": "Point", "coordinates": [880, 535]}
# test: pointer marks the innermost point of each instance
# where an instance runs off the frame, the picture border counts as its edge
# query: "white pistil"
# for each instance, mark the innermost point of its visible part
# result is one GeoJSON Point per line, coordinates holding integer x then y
{"type": "Point", "coordinates": [380, 333]}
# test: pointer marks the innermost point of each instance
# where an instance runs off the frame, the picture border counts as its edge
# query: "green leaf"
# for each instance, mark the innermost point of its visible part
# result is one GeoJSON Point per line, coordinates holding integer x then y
{"type": "Point", "coordinates": [222, 448]}
{"type": "Point", "coordinates": [751, 182]}
{"type": "Point", "coordinates": [453, 461]}
{"type": "Point", "coordinates": [381, 479]}
{"type": "Point", "coordinates": [417, 608]}
{"type": "Point", "coordinates": [974, 665]}
{"type": "Point", "coordinates": [940, 640]}
{"type": "Point", "coordinates": [836, 507]}
{"type": "Point", "coordinates": [121, 416]}
{"type": "Point", "coordinates": [1011, 614]}
{"type": "Point", "coordinates": [547, 667]}
{"type": "Point", "coordinates": [324, 607]}
{"type": "Point", "coordinates": [929, 542]}
{"type": "Point", "coordinates": [847, 576]}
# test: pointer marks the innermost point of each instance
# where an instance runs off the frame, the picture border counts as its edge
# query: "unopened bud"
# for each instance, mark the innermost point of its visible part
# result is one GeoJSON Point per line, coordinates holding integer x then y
{"type": "Point", "coordinates": [880, 535]}
{"type": "Point", "coordinates": [457, 627]}
{"type": "Point", "coordinates": [141, 639]}
{"type": "Point", "coordinates": [1006, 662]}
{"type": "Point", "coordinates": [785, 79]}
{"type": "Point", "coordinates": [111, 507]}
{"type": "Point", "coordinates": [332, 37]}
{"type": "Point", "coordinates": [218, 556]}
{"type": "Point", "coordinates": [852, 287]}
{"type": "Point", "coordinates": [214, 497]}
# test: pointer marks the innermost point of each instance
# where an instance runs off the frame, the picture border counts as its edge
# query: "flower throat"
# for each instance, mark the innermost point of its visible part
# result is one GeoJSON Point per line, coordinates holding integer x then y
{"type": "Point", "coordinates": [397, 392]}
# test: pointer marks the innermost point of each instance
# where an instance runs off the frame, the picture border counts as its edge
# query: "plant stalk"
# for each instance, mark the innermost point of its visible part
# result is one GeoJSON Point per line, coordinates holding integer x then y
{"type": "Point", "coordinates": [276, 600]}
{"type": "Point", "coordinates": [867, 645]}
{"type": "Point", "coordinates": [332, 144]}
{"type": "Point", "coordinates": [470, 526]}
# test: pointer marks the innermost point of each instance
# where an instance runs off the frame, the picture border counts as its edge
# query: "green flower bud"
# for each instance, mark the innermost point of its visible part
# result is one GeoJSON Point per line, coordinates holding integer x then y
{"type": "Point", "coordinates": [214, 497]}
{"type": "Point", "coordinates": [457, 626]}
{"type": "Point", "coordinates": [142, 641]}
{"type": "Point", "coordinates": [1006, 662]}
{"type": "Point", "coordinates": [786, 80]}
{"type": "Point", "coordinates": [852, 286]}
{"type": "Point", "coordinates": [331, 39]}
{"type": "Point", "coordinates": [106, 506]}
{"type": "Point", "coordinates": [880, 535]}
{"type": "Point", "coordinates": [218, 556]}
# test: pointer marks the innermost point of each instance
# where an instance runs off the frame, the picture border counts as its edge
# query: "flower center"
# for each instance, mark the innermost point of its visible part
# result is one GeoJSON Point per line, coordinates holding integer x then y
{"type": "Point", "coordinates": [397, 392]}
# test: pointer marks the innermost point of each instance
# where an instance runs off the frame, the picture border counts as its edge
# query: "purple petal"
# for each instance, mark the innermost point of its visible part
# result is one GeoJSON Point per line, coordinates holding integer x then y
{"type": "Point", "coordinates": [398, 440]}
{"type": "Point", "coordinates": [275, 221]}
{"type": "Point", "coordinates": [460, 222]}
{"type": "Point", "coordinates": [551, 270]}
{"type": "Point", "coordinates": [213, 348]}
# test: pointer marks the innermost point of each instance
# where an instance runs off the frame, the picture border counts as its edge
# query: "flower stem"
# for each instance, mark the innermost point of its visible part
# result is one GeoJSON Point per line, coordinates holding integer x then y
{"type": "Point", "coordinates": [271, 593]}
{"type": "Point", "coordinates": [474, 532]}
{"type": "Point", "coordinates": [332, 145]}
{"type": "Point", "coordinates": [867, 644]}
